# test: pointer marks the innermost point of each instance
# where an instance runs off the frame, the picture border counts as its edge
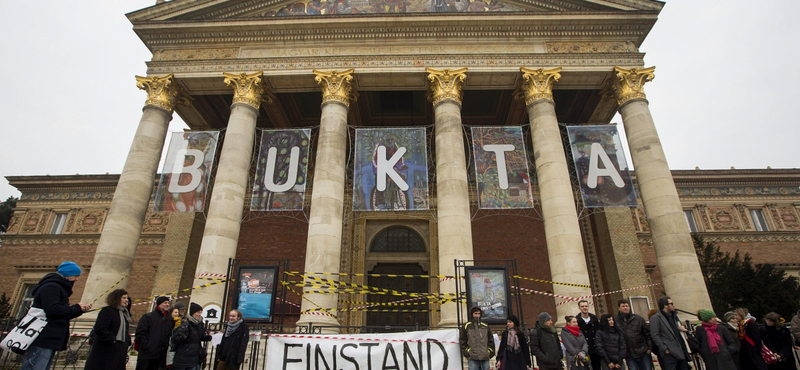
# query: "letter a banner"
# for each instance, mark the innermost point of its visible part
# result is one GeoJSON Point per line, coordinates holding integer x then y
{"type": "Point", "coordinates": [602, 170]}
{"type": "Point", "coordinates": [501, 168]}
{"type": "Point", "coordinates": [416, 350]}
{"type": "Point", "coordinates": [390, 170]}
{"type": "Point", "coordinates": [186, 172]}
{"type": "Point", "coordinates": [281, 172]}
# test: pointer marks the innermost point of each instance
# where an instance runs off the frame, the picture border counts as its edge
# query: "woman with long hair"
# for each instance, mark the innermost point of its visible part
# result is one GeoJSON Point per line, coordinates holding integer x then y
{"type": "Point", "coordinates": [110, 348]}
{"type": "Point", "coordinates": [513, 353]}
{"type": "Point", "coordinates": [750, 351]}
{"type": "Point", "coordinates": [575, 344]}
{"type": "Point", "coordinates": [610, 344]}
{"type": "Point", "coordinates": [230, 352]}
{"type": "Point", "coordinates": [779, 340]}
{"type": "Point", "coordinates": [714, 342]}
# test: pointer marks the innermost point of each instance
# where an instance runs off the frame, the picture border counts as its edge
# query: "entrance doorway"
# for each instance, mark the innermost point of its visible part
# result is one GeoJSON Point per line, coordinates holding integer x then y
{"type": "Point", "coordinates": [385, 322]}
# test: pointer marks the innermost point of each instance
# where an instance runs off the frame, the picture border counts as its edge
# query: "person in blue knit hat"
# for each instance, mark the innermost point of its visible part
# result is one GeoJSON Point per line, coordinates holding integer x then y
{"type": "Point", "coordinates": [52, 295]}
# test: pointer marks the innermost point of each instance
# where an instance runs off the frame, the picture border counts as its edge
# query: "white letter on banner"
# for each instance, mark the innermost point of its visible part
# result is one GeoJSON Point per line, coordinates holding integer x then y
{"type": "Point", "coordinates": [193, 170]}
{"type": "Point", "coordinates": [499, 152]}
{"type": "Point", "coordinates": [386, 167]}
{"type": "Point", "coordinates": [269, 174]}
{"type": "Point", "coordinates": [597, 151]}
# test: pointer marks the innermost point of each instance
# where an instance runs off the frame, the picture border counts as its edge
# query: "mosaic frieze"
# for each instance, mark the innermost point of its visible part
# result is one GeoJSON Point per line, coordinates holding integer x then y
{"type": "Point", "coordinates": [155, 222]}
{"type": "Point", "coordinates": [75, 195]}
{"type": "Point", "coordinates": [723, 219]}
{"type": "Point", "coordinates": [749, 238]}
{"type": "Point", "coordinates": [591, 47]}
{"type": "Point", "coordinates": [391, 61]}
{"type": "Point", "coordinates": [340, 7]}
{"type": "Point", "coordinates": [728, 191]}
{"type": "Point", "coordinates": [90, 221]}
{"type": "Point", "coordinates": [70, 241]}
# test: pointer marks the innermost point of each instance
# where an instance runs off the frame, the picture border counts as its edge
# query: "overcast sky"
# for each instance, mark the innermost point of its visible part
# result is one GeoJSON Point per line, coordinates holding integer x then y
{"type": "Point", "coordinates": [726, 91]}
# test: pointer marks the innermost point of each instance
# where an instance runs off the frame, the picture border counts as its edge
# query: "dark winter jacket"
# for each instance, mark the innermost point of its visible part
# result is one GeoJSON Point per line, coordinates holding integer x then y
{"type": "Point", "coordinates": [722, 360]}
{"type": "Point", "coordinates": [477, 342]}
{"type": "Point", "coordinates": [232, 348]}
{"type": "Point", "coordinates": [152, 335]}
{"type": "Point", "coordinates": [589, 330]}
{"type": "Point", "coordinates": [188, 350]}
{"type": "Point", "coordinates": [663, 328]}
{"type": "Point", "coordinates": [107, 353]}
{"type": "Point", "coordinates": [511, 359]}
{"type": "Point", "coordinates": [611, 346]}
{"type": "Point", "coordinates": [750, 354]}
{"type": "Point", "coordinates": [737, 343]}
{"type": "Point", "coordinates": [546, 347]}
{"type": "Point", "coordinates": [52, 295]}
{"type": "Point", "coordinates": [779, 340]}
{"type": "Point", "coordinates": [636, 333]}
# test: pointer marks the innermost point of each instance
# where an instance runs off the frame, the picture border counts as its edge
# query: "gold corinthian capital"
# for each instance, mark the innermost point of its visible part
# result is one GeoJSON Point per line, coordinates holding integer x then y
{"type": "Point", "coordinates": [247, 88]}
{"type": "Point", "coordinates": [162, 92]}
{"type": "Point", "coordinates": [628, 84]}
{"type": "Point", "coordinates": [446, 85]}
{"type": "Point", "coordinates": [336, 86]}
{"type": "Point", "coordinates": [537, 84]}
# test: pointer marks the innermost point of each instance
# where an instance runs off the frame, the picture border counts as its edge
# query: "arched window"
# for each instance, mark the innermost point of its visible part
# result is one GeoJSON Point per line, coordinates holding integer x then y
{"type": "Point", "coordinates": [397, 239]}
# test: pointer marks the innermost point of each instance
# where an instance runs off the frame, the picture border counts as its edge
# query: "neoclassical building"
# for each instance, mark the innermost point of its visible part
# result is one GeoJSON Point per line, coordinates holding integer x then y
{"type": "Point", "coordinates": [242, 66]}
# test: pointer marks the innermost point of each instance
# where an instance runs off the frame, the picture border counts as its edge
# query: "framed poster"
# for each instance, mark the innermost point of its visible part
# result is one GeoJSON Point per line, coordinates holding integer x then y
{"type": "Point", "coordinates": [488, 288]}
{"type": "Point", "coordinates": [255, 292]}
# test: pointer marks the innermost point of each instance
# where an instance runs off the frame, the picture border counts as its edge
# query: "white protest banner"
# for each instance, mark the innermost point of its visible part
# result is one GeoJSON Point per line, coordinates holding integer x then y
{"type": "Point", "coordinates": [419, 350]}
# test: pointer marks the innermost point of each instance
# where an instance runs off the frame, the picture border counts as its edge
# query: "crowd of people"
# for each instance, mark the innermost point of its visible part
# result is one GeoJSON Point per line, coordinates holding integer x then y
{"type": "Point", "coordinates": [628, 341]}
{"type": "Point", "coordinates": [168, 337]}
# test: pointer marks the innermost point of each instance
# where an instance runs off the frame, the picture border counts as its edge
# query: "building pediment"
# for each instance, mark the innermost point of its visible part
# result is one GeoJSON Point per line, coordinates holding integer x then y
{"type": "Point", "coordinates": [194, 10]}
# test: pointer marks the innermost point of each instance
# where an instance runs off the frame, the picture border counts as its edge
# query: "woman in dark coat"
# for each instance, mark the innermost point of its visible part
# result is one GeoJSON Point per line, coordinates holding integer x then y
{"type": "Point", "coordinates": [610, 344]}
{"type": "Point", "coordinates": [110, 348]}
{"type": "Point", "coordinates": [778, 339]}
{"type": "Point", "coordinates": [189, 354]}
{"type": "Point", "coordinates": [731, 324]}
{"type": "Point", "coordinates": [714, 342]}
{"type": "Point", "coordinates": [513, 353]}
{"type": "Point", "coordinates": [750, 336]}
{"type": "Point", "coordinates": [230, 352]}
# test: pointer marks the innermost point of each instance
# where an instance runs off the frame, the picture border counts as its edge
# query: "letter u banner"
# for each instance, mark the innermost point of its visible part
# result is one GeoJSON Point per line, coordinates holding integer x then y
{"type": "Point", "coordinates": [281, 172]}
{"type": "Point", "coordinates": [501, 168]}
{"type": "Point", "coordinates": [186, 172]}
{"type": "Point", "coordinates": [428, 350]}
{"type": "Point", "coordinates": [390, 170]}
{"type": "Point", "coordinates": [602, 170]}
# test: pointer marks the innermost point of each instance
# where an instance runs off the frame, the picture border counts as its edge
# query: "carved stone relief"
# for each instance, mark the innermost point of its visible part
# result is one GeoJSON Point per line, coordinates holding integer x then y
{"type": "Point", "coordinates": [155, 222]}
{"type": "Point", "coordinates": [14, 224]}
{"type": "Point", "coordinates": [591, 47]}
{"type": "Point", "coordinates": [723, 218]}
{"type": "Point", "coordinates": [645, 226]}
{"type": "Point", "coordinates": [789, 217]}
{"type": "Point", "coordinates": [90, 221]}
{"type": "Point", "coordinates": [34, 222]}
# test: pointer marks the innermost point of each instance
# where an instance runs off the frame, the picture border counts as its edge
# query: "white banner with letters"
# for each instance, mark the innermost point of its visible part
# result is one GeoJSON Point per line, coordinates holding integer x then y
{"type": "Point", "coordinates": [428, 350]}
{"type": "Point", "coordinates": [602, 170]}
{"type": "Point", "coordinates": [186, 172]}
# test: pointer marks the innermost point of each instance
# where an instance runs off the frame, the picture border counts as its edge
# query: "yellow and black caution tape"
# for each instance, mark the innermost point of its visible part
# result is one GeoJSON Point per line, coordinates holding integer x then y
{"type": "Point", "coordinates": [419, 303]}
{"type": "Point", "coordinates": [364, 287]}
{"type": "Point", "coordinates": [109, 289]}
{"type": "Point", "coordinates": [549, 282]}
{"type": "Point", "coordinates": [295, 273]}
{"type": "Point", "coordinates": [359, 289]}
{"type": "Point", "coordinates": [181, 290]}
{"type": "Point", "coordinates": [364, 309]}
{"type": "Point", "coordinates": [211, 278]}
{"type": "Point", "coordinates": [310, 301]}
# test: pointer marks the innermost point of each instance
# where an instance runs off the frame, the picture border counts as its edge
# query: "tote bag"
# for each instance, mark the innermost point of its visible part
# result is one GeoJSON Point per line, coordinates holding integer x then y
{"type": "Point", "coordinates": [27, 330]}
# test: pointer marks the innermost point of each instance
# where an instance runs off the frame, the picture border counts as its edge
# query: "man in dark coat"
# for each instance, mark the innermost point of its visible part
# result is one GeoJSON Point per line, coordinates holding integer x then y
{"type": "Point", "coordinates": [231, 351]}
{"type": "Point", "coordinates": [189, 353]}
{"type": "Point", "coordinates": [666, 331]}
{"type": "Point", "coordinates": [589, 324]}
{"type": "Point", "coordinates": [545, 345]}
{"type": "Point", "coordinates": [52, 295]}
{"type": "Point", "coordinates": [152, 337]}
{"type": "Point", "coordinates": [637, 337]}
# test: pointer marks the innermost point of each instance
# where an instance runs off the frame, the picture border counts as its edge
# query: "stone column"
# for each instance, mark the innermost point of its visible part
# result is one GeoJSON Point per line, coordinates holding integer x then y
{"type": "Point", "coordinates": [223, 223]}
{"type": "Point", "coordinates": [324, 246]}
{"type": "Point", "coordinates": [454, 229]}
{"type": "Point", "coordinates": [120, 237]}
{"type": "Point", "coordinates": [677, 260]}
{"type": "Point", "coordinates": [563, 234]}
